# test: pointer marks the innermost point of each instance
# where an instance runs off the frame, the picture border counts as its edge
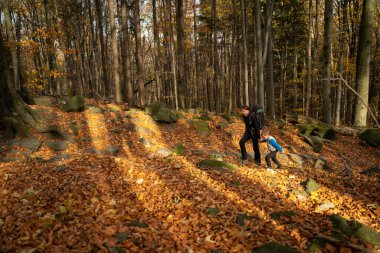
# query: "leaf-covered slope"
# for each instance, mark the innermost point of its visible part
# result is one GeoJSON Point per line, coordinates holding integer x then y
{"type": "Point", "coordinates": [146, 198]}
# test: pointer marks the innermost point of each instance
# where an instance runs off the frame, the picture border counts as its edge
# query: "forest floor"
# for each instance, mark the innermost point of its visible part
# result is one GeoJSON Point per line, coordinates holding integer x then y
{"type": "Point", "coordinates": [118, 188]}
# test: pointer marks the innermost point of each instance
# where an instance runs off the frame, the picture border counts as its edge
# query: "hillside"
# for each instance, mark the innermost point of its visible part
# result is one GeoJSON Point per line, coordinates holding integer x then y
{"type": "Point", "coordinates": [129, 184]}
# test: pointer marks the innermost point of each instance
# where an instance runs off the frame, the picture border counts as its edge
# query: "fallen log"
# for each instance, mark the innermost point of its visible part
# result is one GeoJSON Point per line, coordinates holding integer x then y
{"type": "Point", "coordinates": [300, 119]}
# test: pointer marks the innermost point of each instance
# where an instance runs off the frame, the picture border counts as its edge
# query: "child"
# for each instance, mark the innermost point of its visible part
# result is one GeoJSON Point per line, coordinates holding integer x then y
{"type": "Point", "coordinates": [273, 148]}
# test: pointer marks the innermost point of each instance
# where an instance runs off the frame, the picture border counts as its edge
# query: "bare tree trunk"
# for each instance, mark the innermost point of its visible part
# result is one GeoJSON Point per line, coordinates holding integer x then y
{"type": "Point", "coordinates": [363, 61]}
{"type": "Point", "coordinates": [216, 81]}
{"type": "Point", "coordinates": [51, 52]}
{"type": "Point", "coordinates": [115, 52]}
{"type": "Point", "coordinates": [269, 57]}
{"type": "Point", "coordinates": [99, 20]}
{"type": "Point", "coordinates": [127, 58]}
{"type": "Point", "coordinates": [309, 59]}
{"type": "Point", "coordinates": [157, 55]}
{"type": "Point", "coordinates": [139, 53]}
{"type": "Point", "coordinates": [259, 54]}
{"type": "Point", "coordinates": [180, 53]}
{"type": "Point", "coordinates": [9, 29]}
{"type": "Point", "coordinates": [326, 70]}
{"type": "Point", "coordinates": [196, 81]}
{"type": "Point", "coordinates": [295, 81]}
{"type": "Point", "coordinates": [232, 61]}
{"type": "Point", "coordinates": [245, 54]}
{"type": "Point", "coordinates": [172, 52]}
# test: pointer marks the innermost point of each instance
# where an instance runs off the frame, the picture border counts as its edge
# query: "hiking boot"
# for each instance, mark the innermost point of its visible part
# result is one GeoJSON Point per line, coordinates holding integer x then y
{"type": "Point", "coordinates": [279, 166]}
{"type": "Point", "coordinates": [243, 161]}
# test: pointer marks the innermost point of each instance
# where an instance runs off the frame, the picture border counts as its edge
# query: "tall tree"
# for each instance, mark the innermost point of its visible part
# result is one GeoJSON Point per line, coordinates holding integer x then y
{"type": "Point", "coordinates": [139, 52]}
{"type": "Point", "coordinates": [99, 21]}
{"type": "Point", "coordinates": [180, 53]}
{"type": "Point", "coordinates": [157, 54]}
{"type": "Point", "coordinates": [269, 57]}
{"type": "Point", "coordinates": [51, 51]}
{"type": "Point", "coordinates": [309, 60]}
{"type": "Point", "coordinates": [326, 69]}
{"type": "Point", "coordinates": [115, 52]}
{"type": "Point", "coordinates": [126, 58]}
{"type": "Point", "coordinates": [259, 54]}
{"type": "Point", "coordinates": [245, 54]}
{"type": "Point", "coordinates": [363, 61]}
{"type": "Point", "coordinates": [11, 39]}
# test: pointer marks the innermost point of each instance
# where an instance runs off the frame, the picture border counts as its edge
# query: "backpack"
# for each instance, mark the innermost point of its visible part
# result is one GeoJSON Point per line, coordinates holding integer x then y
{"type": "Point", "coordinates": [257, 116]}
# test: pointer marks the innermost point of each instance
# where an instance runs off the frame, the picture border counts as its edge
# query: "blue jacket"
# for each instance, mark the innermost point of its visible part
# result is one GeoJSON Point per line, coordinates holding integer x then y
{"type": "Point", "coordinates": [272, 144]}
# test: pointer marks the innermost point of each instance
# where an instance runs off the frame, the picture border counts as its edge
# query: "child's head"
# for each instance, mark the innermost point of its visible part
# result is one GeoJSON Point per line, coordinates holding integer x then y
{"type": "Point", "coordinates": [245, 110]}
{"type": "Point", "coordinates": [265, 133]}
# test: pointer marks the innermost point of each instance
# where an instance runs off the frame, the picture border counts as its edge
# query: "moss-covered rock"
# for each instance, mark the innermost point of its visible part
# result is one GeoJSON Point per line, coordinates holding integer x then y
{"type": "Point", "coordinates": [310, 185]}
{"type": "Point", "coordinates": [221, 125]}
{"type": "Point", "coordinates": [372, 171]}
{"type": "Point", "coordinates": [57, 145]}
{"type": "Point", "coordinates": [323, 131]}
{"type": "Point", "coordinates": [201, 126]}
{"type": "Point", "coordinates": [161, 113]}
{"type": "Point", "coordinates": [314, 141]}
{"type": "Point", "coordinates": [241, 218]}
{"type": "Point", "coordinates": [371, 137]}
{"type": "Point", "coordinates": [218, 165]}
{"type": "Point", "coordinates": [278, 215]}
{"type": "Point", "coordinates": [44, 101]}
{"type": "Point", "coordinates": [75, 104]}
{"type": "Point", "coordinates": [179, 149]}
{"type": "Point", "coordinates": [316, 245]}
{"type": "Point", "coordinates": [226, 117]}
{"type": "Point", "coordinates": [212, 211]}
{"type": "Point", "coordinates": [354, 228]}
{"type": "Point", "coordinates": [273, 247]}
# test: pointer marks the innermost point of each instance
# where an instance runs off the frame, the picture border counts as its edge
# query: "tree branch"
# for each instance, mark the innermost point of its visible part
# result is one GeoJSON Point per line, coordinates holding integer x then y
{"type": "Point", "coordinates": [357, 94]}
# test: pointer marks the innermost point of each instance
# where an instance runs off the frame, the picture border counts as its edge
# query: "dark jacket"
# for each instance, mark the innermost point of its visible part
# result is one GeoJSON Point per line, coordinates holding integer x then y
{"type": "Point", "coordinates": [251, 124]}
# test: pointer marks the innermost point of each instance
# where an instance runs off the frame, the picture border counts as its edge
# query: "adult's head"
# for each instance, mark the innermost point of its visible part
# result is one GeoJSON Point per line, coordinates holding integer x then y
{"type": "Point", "coordinates": [245, 110]}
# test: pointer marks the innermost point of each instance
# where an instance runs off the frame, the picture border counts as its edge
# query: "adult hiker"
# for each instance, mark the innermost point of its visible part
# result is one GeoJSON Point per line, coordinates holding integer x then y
{"type": "Point", "coordinates": [254, 122]}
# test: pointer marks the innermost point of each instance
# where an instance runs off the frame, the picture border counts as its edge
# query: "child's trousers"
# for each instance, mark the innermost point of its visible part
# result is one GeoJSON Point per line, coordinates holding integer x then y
{"type": "Point", "coordinates": [272, 155]}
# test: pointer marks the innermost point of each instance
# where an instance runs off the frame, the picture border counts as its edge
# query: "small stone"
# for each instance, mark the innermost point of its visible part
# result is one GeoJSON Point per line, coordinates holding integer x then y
{"type": "Point", "coordinates": [164, 152]}
{"type": "Point", "coordinates": [310, 185]}
{"type": "Point", "coordinates": [60, 157]}
{"type": "Point", "coordinates": [137, 224]}
{"type": "Point", "coordinates": [61, 168]}
{"type": "Point", "coordinates": [92, 150]}
{"type": "Point", "coordinates": [325, 206]}
{"type": "Point", "coordinates": [139, 181]}
{"type": "Point", "coordinates": [296, 158]}
{"type": "Point", "coordinates": [278, 215]}
{"type": "Point", "coordinates": [177, 166]}
{"type": "Point", "coordinates": [212, 154]}
{"type": "Point", "coordinates": [95, 109]}
{"type": "Point", "coordinates": [111, 150]}
{"type": "Point", "coordinates": [229, 153]}
{"type": "Point", "coordinates": [212, 211]}
{"type": "Point", "coordinates": [372, 171]}
{"type": "Point", "coordinates": [320, 164]}
{"type": "Point", "coordinates": [145, 142]}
